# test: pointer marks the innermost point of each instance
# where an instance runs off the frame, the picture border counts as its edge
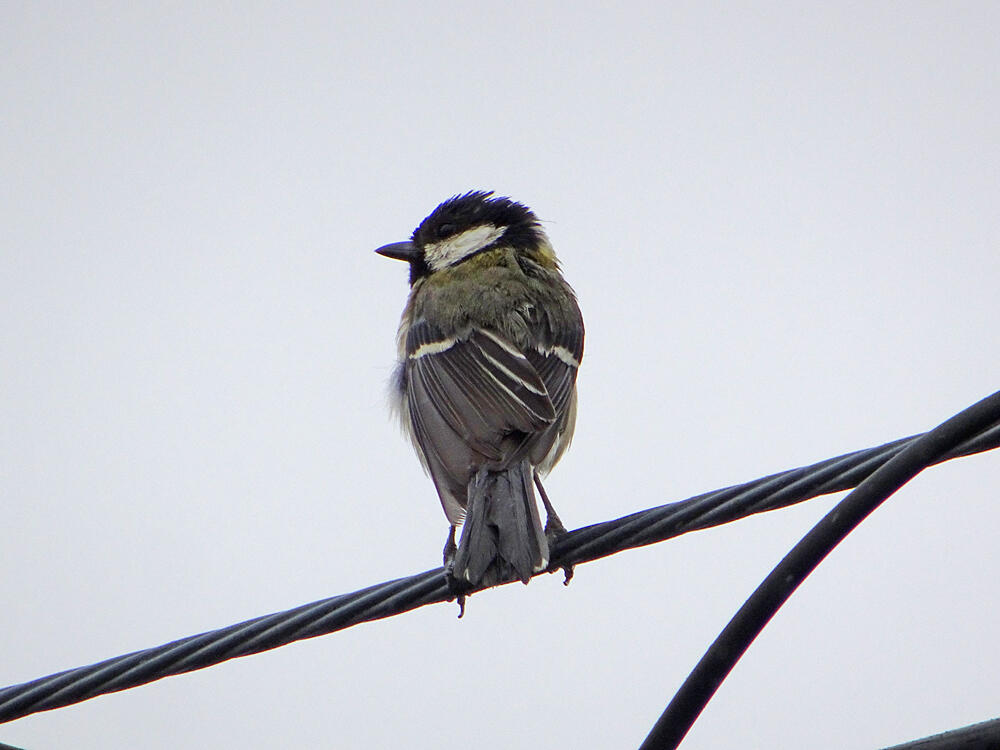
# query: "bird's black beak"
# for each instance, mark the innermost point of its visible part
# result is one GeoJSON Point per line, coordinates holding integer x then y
{"type": "Point", "coordinates": [400, 251]}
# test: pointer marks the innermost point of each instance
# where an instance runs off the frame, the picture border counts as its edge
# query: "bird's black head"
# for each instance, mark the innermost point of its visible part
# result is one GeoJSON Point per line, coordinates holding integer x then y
{"type": "Point", "coordinates": [475, 209]}
{"type": "Point", "coordinates": [463, 226]}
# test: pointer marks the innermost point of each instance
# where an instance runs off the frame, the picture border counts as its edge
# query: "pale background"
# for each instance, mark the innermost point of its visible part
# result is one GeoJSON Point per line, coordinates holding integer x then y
{"type": "Point", "coordinates": [782, 222]}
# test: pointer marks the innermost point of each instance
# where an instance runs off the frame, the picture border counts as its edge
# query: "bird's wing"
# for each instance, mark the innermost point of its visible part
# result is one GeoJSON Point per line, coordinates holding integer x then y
{"type": "Point", "coordinates": [557, 362]}
{"type": "Point", "coordinates": [480, 387]}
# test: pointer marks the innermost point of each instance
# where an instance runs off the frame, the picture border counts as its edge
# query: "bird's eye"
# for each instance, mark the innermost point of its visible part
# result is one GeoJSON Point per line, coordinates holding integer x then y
{"type": "Point", "coordinates": [445, 230]}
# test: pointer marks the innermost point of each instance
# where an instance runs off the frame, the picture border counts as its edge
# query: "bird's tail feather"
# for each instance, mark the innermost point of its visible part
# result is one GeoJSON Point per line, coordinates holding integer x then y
{"type": "Point", "coordinates": [502, 537]}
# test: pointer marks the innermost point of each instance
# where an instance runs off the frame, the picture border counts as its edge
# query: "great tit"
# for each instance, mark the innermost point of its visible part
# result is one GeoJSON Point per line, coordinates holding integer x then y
{"type": "Point", "coordinates": [489, 346]}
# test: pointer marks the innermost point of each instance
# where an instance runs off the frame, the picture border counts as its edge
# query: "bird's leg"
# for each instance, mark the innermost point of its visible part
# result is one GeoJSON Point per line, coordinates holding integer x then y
{"type": "Point", "coordinates": [553, 526]}
{"type": "Point", "coordinates": [450, 550]}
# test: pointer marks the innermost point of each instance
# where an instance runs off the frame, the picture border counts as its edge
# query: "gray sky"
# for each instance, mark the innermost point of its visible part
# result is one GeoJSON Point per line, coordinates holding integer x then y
{"type": "Point", "coordinates": [782, 226]}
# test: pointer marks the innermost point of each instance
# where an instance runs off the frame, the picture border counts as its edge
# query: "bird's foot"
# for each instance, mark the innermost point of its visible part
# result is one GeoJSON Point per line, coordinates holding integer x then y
{"type": "Point", "coordinates": [554, 530]}
{"type": "Point", "coordinates": [458, 587]}
{"type": "Point", "coordinates": [568, 574]}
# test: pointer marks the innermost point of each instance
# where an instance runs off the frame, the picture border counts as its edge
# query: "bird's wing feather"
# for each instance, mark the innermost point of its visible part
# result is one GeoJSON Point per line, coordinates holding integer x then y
{"type": "Point", "coordinates": [557, 364]}
{"type": "Point", "coordinates": [481, 387]}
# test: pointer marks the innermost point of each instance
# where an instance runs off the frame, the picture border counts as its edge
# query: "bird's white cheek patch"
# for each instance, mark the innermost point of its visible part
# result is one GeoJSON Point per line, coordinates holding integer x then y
{"type": "Point", "coordinates": [447, 252]}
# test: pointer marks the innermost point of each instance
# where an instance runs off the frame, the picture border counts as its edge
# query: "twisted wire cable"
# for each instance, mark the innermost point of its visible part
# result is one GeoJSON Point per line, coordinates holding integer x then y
{"type": "Point", "coordinates": [404, 594]}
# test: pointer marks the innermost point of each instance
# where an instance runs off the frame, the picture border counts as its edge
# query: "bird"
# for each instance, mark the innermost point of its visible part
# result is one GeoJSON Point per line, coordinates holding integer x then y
{"type": "Point", "coordinates": [489, 346]}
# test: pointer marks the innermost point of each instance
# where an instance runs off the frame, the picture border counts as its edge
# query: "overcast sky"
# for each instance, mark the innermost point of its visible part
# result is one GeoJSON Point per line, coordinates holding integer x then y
{"type": "Point", "coordinates": [782, 226]}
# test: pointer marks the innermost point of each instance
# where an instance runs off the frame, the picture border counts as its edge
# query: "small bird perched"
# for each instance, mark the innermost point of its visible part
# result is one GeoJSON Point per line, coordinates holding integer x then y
{"type": "Point", "coordinates": [489, 346]}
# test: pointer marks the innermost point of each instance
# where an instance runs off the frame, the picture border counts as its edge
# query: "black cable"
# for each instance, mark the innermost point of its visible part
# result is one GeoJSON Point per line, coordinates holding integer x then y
{"type": "Point", "coordinates": [982, 736]}
{"type": "Point", "coordinates": [394, 597]}
{"type": "Point", "coordinates": [757, 611]}
{"type": "Point", "coordinates": [732, 503]}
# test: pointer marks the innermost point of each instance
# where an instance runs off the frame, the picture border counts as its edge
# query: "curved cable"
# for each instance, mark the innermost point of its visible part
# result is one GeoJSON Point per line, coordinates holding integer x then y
{"type": "Point", "coordinates": [912, 458]}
